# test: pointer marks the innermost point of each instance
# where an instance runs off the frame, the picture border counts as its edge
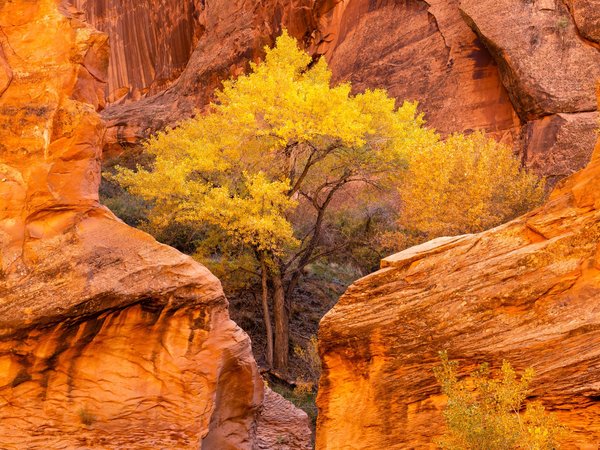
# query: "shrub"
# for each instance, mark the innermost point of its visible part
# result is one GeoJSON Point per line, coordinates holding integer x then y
{"type": "Point", "coordinates": [465, 184]}
{"type": "Point", "coordinates": [485, 412]}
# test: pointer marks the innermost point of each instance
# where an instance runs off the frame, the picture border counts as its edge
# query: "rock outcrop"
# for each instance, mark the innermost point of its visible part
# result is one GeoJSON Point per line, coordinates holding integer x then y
{"type": "Point", "coordinates": [108, 339]}
{"type": "Point", "coordinates": [558, 144]}
{"type": "Point", "coordinates": [281, 426]}
{"type": "Point", "coordinates": [587, 18]}
{"type": "Point", "coordinates": [537, 45]}
{"type": "Point", "coordinates": [527, 291]}
{"type": "Point", "coordinates": [419, 51]}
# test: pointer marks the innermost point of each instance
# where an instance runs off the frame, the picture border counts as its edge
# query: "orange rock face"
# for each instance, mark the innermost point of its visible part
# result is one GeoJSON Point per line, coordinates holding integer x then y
{"type": "Point", "coordinates": [107, 339]}
{"type": "Point", "coordinates": [419, 51]}
{"type": "Point", "coordinates": [526, 291]}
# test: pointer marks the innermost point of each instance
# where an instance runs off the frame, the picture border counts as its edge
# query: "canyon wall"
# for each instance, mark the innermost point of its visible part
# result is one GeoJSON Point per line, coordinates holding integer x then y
{"type": "Point", "coordinates": [527, 292]}
{"type": "Point", "coordinates": [521, 70]}
{"type": "Point", "coordinates": [150, 45]}
{"type": "Point", "coordinates": [108, 339]}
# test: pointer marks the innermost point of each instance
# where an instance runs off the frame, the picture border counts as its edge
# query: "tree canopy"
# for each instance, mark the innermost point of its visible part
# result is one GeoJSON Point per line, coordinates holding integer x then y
{"type": "Point", "coordinates": [272, 173]}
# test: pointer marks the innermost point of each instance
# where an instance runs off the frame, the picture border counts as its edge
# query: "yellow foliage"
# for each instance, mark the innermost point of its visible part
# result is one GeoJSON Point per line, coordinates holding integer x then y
{"type": "Point", "coordinates": [465, 184]}
{"type": "Point", "coordinates": [274, 136]}
{"type": "Point", "coordinates": [484, 412]}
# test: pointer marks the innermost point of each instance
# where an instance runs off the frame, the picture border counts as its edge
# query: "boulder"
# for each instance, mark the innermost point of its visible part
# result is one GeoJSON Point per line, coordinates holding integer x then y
{"type": "Point", "coordinates": [559, 145]}
{"type": "Point", "coordinates": [108, 339]}
{"type": "Point", "coordinates": [527, 291]}
{"type": "Point", "coordinates": [545, 66]}
{"type": "Point", "coordinates": [587, 18]}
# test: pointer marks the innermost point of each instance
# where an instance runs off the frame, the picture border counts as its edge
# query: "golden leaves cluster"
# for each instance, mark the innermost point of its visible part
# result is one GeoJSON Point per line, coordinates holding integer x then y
{"type": "Point", "coordinates": [242, 166]}
{"type": "Point", "coordinates": [466, 184]}
{"type": "Point", "coordinates": [485, 412]}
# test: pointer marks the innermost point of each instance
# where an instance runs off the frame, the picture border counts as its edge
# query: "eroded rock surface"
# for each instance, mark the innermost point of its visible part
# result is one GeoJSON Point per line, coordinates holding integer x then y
{"type": "Point", "coordinates": [232, 34]}
{"type": "Point", "coordinates": [281, 426]}
{"type": "Point", "coordinates": [587, 18]}
{"type": "Point", "coordinates": [527, 291]}
{"type": "Point", "coordinates": [150, 44]}
{"type": "Point", "coordinates": [419, 51]}
{"type": "Point", "coordinates": [559, 144]}
{"type": "Point", "coordinates": [537, 46]}
{"type": "Point", "coordinates": [107, 339]}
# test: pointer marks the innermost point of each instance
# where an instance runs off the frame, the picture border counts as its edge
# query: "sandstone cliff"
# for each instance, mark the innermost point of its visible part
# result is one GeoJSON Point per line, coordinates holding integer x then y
{"type": "Point", "coordinates": [107, 338]}
{"type": "Point", "coordinates": [518, 69]}
{"type": "Point", "coordinates": [527, 291]}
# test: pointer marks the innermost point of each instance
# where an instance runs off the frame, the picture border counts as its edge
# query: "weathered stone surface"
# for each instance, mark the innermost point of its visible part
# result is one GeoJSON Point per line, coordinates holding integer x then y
{"type": "Point", "coordinates": [107, 339]}
{"type": "Point", "coordinates": [281, 426]}
{"type": "Point", "coordinates": [449, 70]}
{"type": "Point", "coordinates": [587, 18]}
{"type": "Point", "coordinates": [527, 291]}
{"type": "Point", "coordinates": [418, 51]}
{"type": "Point", "coordinates": [544, 64]}
{"type": "Point", "coordinates": [233, 33]}
{"type": "Point", "coordinates": [558, 145]}
{"type": "Point", "coordinates": [150, 44]}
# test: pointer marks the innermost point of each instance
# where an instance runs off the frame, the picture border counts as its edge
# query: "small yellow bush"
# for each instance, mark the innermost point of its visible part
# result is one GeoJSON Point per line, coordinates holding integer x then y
{"type": "Point", "coordinates": [465, 184]}
{"type": "Point", "coordinates": [485, 412]}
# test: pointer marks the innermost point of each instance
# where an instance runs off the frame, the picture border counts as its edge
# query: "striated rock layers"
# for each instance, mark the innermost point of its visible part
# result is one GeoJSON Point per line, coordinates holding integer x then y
{"type": "Point", "coordinates": [230, 33]}
{"type": "Point", "coordinates": [150, 43]}
{"type": "Point", "coordinates": [527, 291]}
{"type": "Point", "coordinates": [520, 70]}
{"type": "Point", "coordinates": [107, 338]}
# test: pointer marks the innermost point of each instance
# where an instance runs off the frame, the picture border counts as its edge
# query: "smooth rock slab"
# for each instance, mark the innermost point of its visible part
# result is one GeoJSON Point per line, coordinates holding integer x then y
{"type": "Point", "coordinates": [527, 291]}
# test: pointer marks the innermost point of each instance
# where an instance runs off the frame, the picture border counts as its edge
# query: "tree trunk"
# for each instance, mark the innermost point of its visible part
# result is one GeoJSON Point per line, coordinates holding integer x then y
{"type": "Point", "coordinates": [266, 314]}
{"type": "Point", "coordinates": [281, 315]}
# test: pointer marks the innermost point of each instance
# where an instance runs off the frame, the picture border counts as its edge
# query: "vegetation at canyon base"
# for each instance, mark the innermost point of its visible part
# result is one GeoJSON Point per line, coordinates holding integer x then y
{"type": "Point", "coordinates": [285, 172]}
{"type": "Point", "coordinates": [486, 412]}
{"type": "Point", "coordinates": [465, 184]}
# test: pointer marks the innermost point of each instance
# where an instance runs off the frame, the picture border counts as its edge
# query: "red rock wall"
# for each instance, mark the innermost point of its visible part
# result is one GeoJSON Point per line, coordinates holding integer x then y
{"type": "Point", "coordinates": [497, 66]}
{"type": "Point", "coordinates": [108, 339]}
{"type": "Point", "coordinates": [421, 51]}
{"type": "Point", "coordinates": [150, 44]}
{"type": "Point", "coordinates": [234, 33]}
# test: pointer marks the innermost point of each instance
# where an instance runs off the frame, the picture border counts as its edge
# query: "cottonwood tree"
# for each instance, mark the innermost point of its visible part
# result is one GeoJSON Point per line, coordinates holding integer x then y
{"type": "Point", "coordinates": [277, 141]}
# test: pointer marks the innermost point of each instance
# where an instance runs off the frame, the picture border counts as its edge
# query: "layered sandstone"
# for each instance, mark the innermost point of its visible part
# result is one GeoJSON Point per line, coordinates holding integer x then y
{"type": "Point", "coordinates": [107, 338]}
{"type": "Point", "coordinates": [527, 291]}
